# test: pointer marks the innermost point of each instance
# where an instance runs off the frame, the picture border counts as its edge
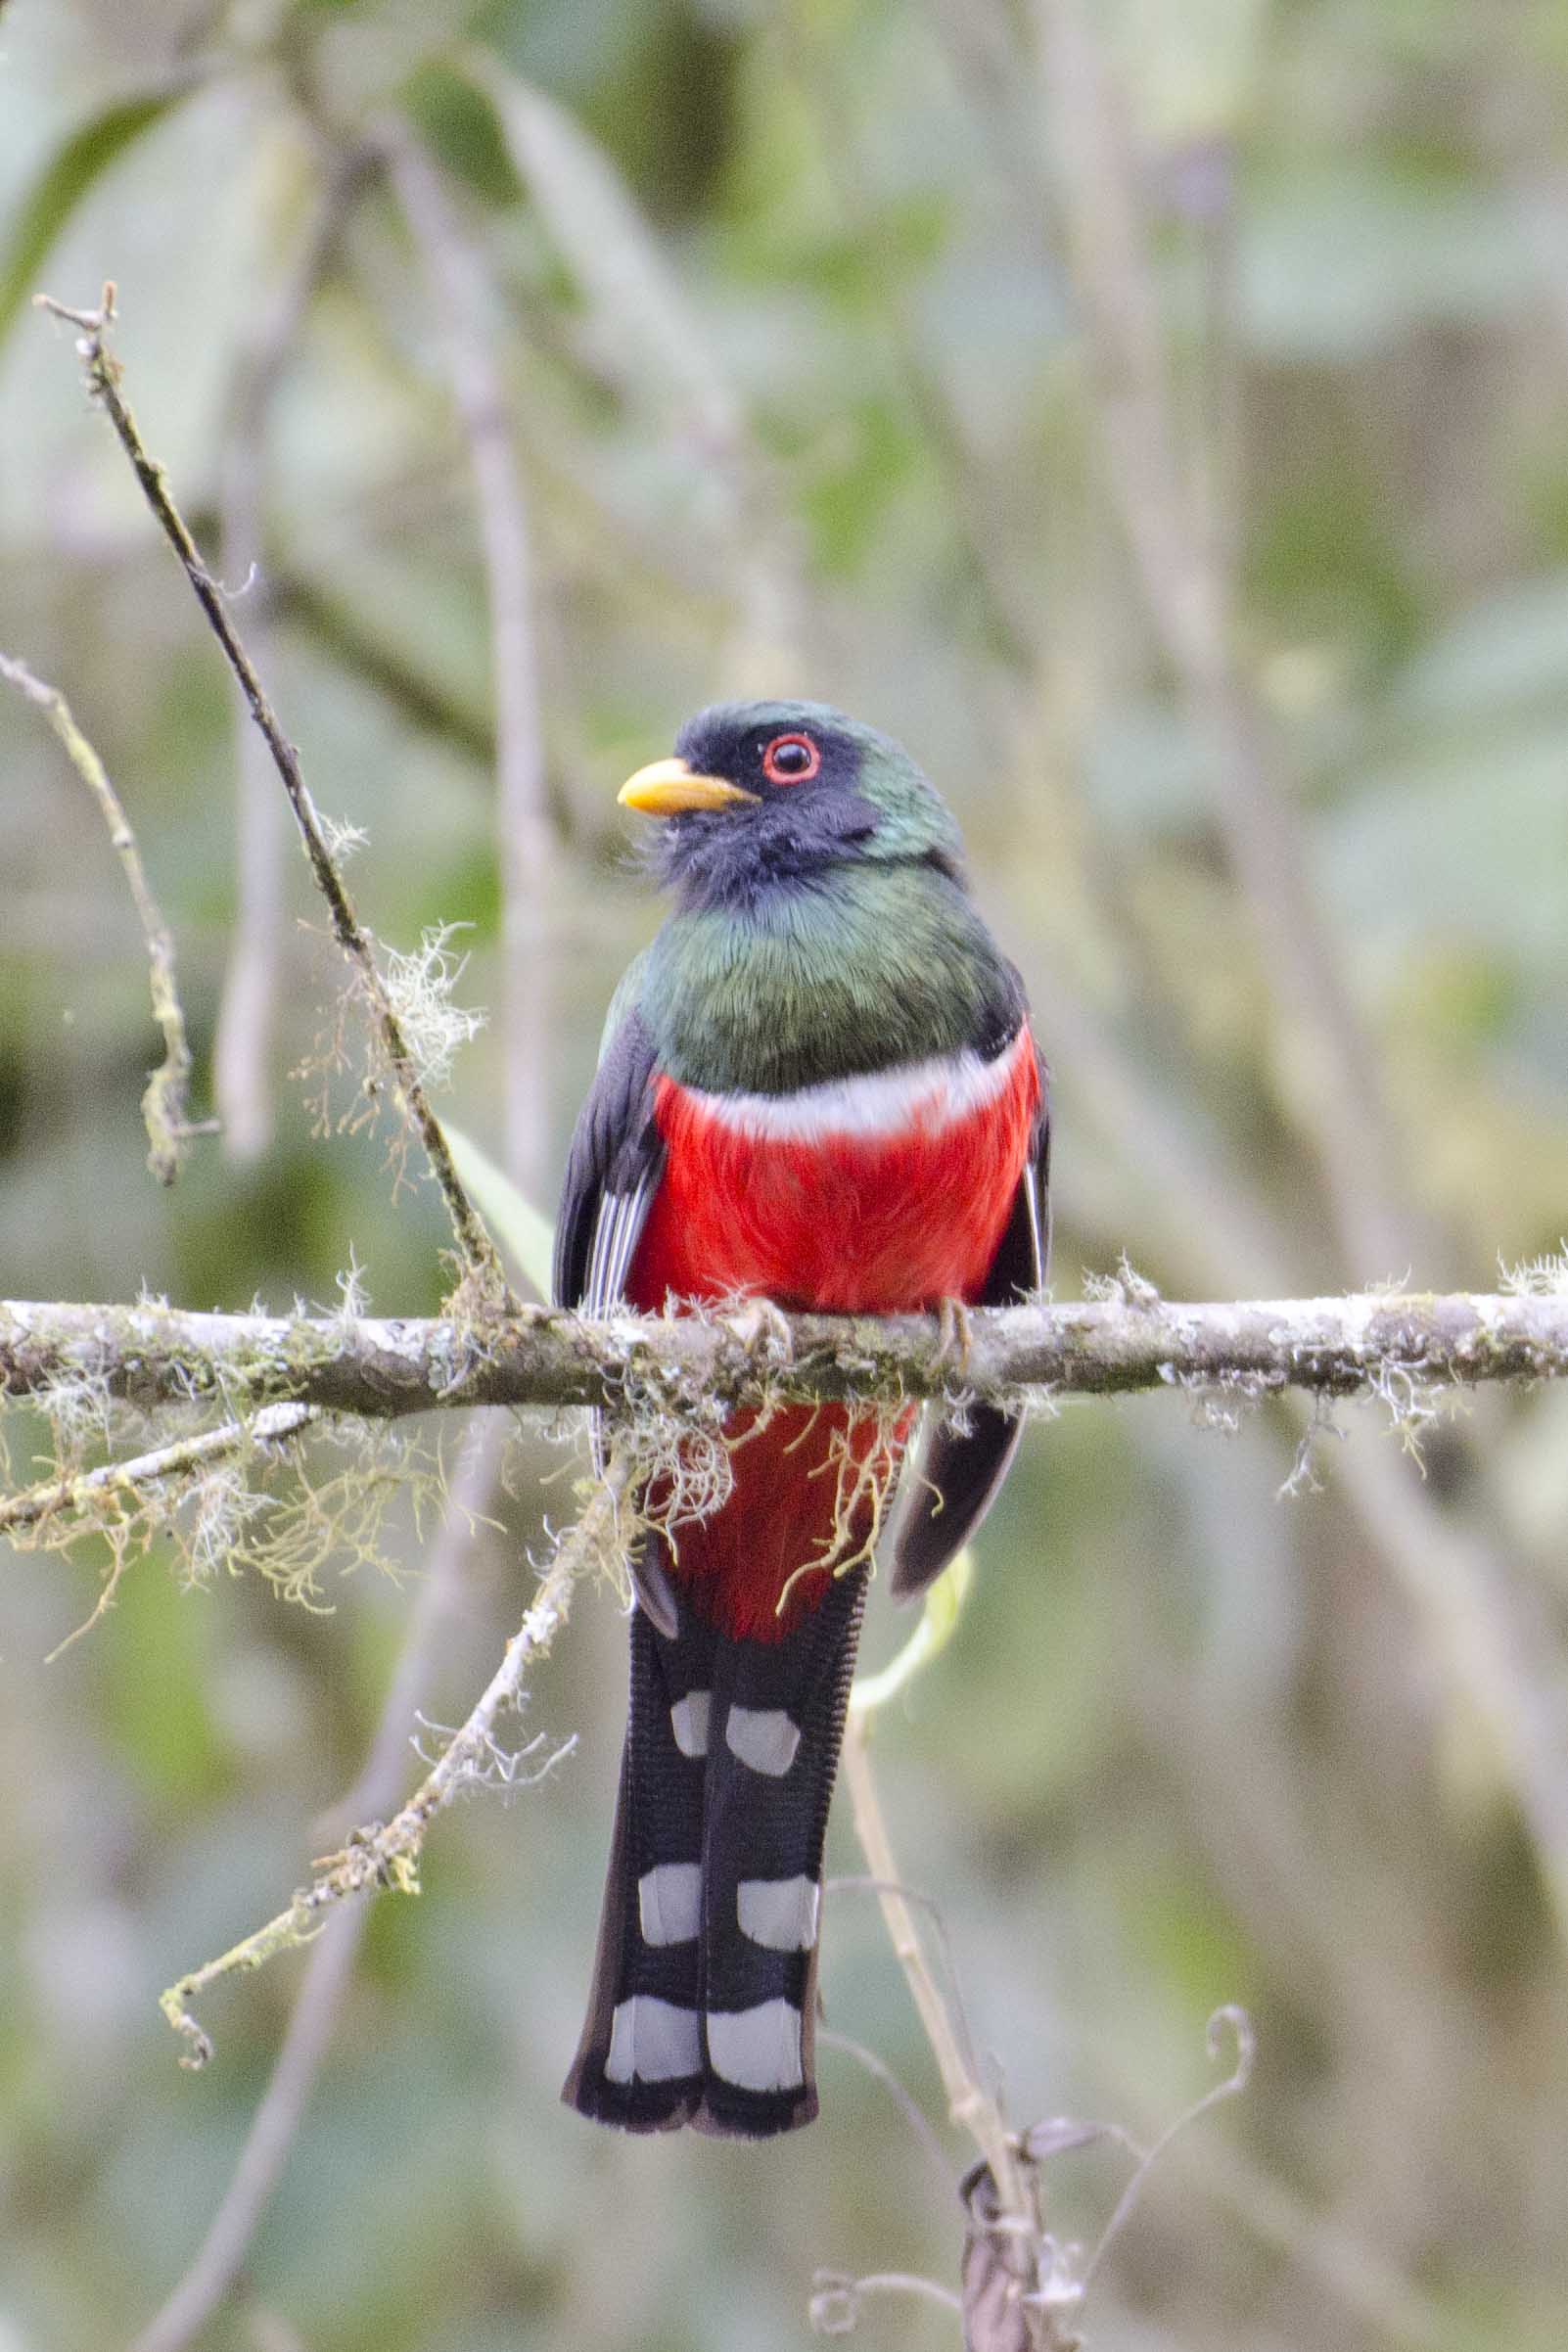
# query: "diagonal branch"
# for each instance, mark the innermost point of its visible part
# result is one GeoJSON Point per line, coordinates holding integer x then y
{"type": "Point", "coordinates": [86, 1490]}
{"type": "Point", "coordinates": [969, 2103]}
{"type": "Point", "coordinates": [211, 2276]}
{"type": "Point", "coordinates": [388, 1855]}
{"type": "Point", "coordinates": [272, 329]}
{"type": "Point", "coordinates": [104, 374]}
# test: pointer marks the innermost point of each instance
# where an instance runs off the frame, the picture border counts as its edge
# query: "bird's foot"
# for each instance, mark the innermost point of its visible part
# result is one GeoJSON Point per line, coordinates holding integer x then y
{"type": "Point", "coordinates": [955, 1335]}
{"type": "Point", "coordinates": [763, 1331]}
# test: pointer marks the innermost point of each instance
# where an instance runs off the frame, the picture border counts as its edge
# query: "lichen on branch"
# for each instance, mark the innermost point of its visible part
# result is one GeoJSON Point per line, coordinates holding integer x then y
{"type": "Point", "coordinates": [384, 1368]}
{"type": "Point", "coordinates": [387, 1854]}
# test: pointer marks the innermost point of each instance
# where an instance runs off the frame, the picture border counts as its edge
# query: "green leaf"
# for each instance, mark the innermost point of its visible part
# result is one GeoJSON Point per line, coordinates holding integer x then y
{"type": "Point", "coordinates": [527, 1237]}
{"type": "Point", "coordinates": [944, 1603]}
{"type": "Point", "coordinates": [76, 165]}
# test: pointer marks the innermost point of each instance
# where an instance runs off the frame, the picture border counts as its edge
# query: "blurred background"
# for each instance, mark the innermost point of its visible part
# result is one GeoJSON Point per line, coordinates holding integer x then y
{"type": "Point", "coordinates": [1159, 420]}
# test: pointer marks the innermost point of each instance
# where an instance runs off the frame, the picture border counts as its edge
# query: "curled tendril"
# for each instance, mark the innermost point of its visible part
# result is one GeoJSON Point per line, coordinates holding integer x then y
{"type": "Point", "coordinates": [836, 2301]}
{"type": "Point", "coordinates": [1232, 2022]}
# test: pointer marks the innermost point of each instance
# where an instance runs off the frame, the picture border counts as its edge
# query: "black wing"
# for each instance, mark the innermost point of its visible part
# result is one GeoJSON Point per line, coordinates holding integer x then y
{"type": "Point", "coordinates": [613, 1172]}
{"type": "Point", "coordinates": [953, 1473]}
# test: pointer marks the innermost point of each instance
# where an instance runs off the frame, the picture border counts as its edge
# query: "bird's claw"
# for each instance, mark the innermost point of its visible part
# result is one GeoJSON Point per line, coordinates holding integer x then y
{"type": "Point", "coordinates": [955, 1335]}
{"type": "Point", "coordinates": [763, 1331]}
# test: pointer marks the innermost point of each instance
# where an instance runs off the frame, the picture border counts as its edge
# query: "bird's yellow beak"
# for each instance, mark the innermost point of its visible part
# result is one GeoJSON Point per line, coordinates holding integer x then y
{"type": "Point", "coordinates": [669, 787]}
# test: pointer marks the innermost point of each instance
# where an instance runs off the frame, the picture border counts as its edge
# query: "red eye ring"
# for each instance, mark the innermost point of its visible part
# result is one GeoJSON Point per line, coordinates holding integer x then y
{"type": "Point", "coordinates": [778, 774]}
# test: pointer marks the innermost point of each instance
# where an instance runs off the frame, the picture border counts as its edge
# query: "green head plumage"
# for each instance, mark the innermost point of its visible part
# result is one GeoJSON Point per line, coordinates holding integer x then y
{"type": "Point", "coordinates": [822, 923]}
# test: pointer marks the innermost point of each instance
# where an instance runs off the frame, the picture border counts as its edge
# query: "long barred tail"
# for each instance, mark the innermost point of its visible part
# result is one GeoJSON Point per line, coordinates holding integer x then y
{"type": "Point", "coordinates": [703, 2008]}
{"type": "Point", "coordinates": [640, 2062]}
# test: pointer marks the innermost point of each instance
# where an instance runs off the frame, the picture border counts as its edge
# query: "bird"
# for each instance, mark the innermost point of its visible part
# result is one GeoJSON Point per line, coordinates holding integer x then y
{"type": "Point", "coordinates": [817, 1090]}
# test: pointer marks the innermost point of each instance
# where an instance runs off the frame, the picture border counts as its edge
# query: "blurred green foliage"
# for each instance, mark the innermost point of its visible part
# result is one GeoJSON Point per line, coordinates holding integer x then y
{"type": "Point", "coordinates": [801, 405]}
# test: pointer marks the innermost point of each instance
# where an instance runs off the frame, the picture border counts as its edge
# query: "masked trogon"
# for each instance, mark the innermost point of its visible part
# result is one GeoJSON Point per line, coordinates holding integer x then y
{"type": "Point", "coordinates": [817, 1087]}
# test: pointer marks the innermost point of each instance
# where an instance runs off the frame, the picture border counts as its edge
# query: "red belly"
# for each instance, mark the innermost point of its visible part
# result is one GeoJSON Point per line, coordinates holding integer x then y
{"type": "Point", "coordinates": [844, 1223]}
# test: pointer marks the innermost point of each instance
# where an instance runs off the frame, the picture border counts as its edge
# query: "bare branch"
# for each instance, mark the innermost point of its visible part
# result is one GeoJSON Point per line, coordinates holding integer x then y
{"type": "Point", "coordinates": [1014, 2233]}
{"type": "Point", "coordinates": [104, 374]}
{"type": "Point", "coordinates": [164, 1102]}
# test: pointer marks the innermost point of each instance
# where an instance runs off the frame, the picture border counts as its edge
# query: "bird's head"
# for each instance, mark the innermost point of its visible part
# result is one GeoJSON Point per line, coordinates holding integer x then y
{"type": "Point", "coordinates": [766, 796]}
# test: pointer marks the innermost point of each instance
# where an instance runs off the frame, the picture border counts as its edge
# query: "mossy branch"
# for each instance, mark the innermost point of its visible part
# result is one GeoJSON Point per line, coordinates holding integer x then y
{"type": "Point", "coordinates": [1376, 1342]}
{"type": "Point", "coordinates": [89, 1490]}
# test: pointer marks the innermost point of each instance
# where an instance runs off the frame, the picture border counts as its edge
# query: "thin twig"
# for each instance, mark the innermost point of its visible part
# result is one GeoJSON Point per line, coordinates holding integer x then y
{"type": "Point", "coordinates": [836, 2296]}
{"type": "Point", "coordinates": [388, 1856]}
{"type": "Point", "coordinates": [126, 1501]}
{"type": "Point", "coordinates": [221, 2258]}
{"type": "Point", "coordinates": [1228, 2021]}
{"type": "Point", "coordinates": [828, 2038]}
{"type": "Point", "coordinates": [103, 375]}
{"type": "Point", "coordinates": [87, 1490]}
{"type": "Point", "coordinates": [170, 1128]}
{"type": "Point", "coordinates": [247, 1010]}
{"type": "Point", "coordinates": [968, 2103]}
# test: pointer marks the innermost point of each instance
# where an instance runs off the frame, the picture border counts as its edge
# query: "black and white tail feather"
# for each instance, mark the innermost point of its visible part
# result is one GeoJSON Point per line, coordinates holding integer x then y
{"type": "Point", "coordinates": [704, 2001]}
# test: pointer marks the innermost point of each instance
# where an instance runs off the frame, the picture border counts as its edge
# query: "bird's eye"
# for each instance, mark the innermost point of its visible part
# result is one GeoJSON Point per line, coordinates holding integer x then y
{"type": "Point", "coordinates": [791, 759]}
